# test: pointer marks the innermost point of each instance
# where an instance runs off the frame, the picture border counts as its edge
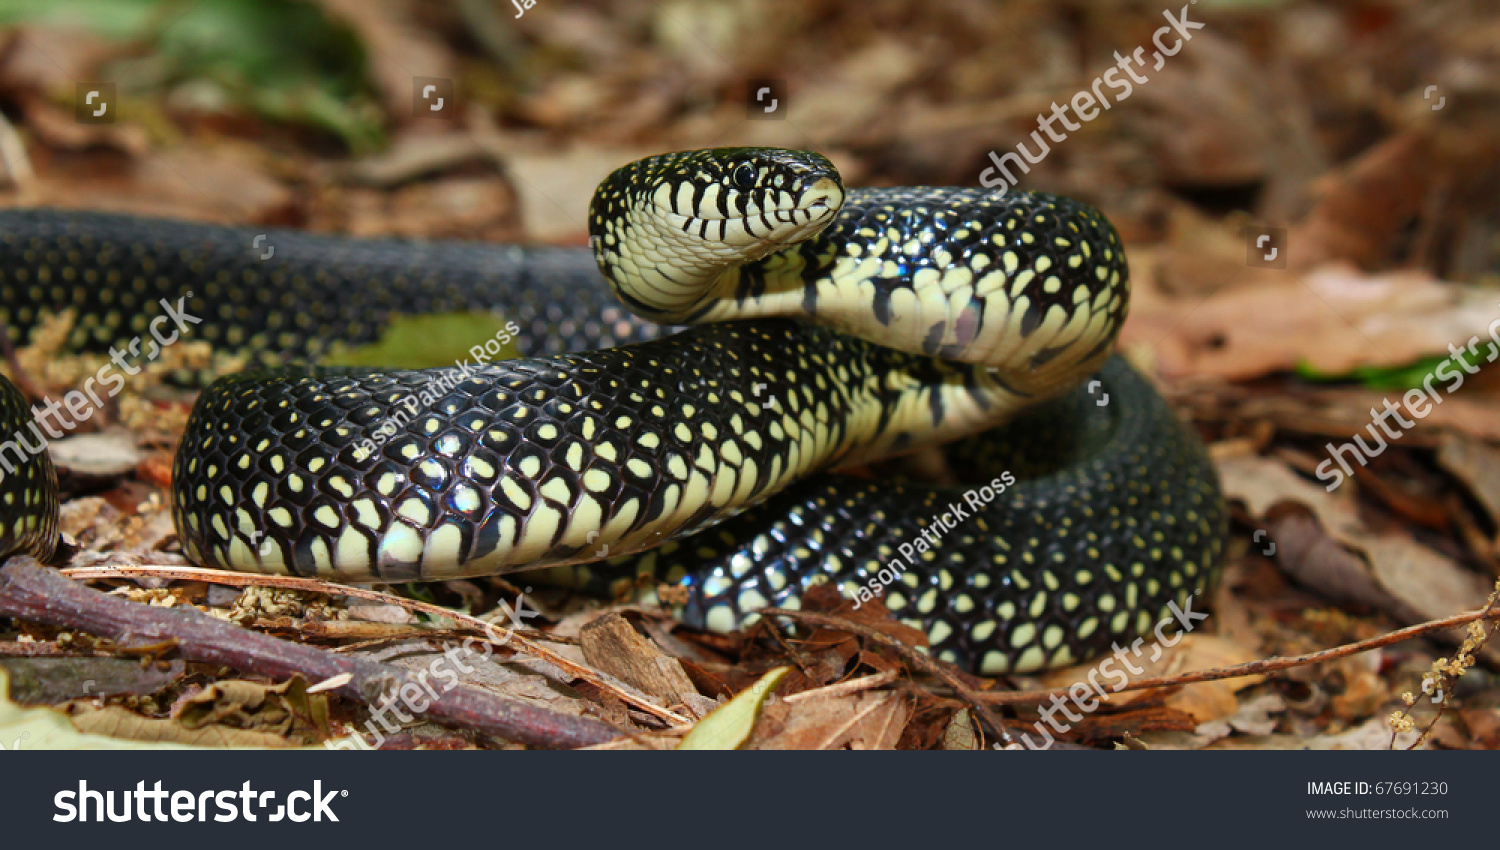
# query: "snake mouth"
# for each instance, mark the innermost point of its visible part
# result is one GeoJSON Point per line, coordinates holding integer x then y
{"type": "Point", "coordinates": [765, 232]}
{"type": "Point", "coordinates": [786, 220]}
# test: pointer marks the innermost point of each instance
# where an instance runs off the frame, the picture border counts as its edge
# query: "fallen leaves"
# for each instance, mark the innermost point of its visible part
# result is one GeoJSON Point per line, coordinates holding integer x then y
{"type": "Point", "coordinates": [1388, 205]}
{"type": "Point", "coordinates": [1332, 320]}
{"type": "Point", "coordinates": [728, 726]}
{"type": "Point", "coordinates": [1409, 581]}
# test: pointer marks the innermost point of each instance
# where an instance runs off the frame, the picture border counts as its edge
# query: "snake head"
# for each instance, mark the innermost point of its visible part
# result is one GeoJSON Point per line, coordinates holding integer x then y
{"type": "Point", "coordinates": [666, 228]}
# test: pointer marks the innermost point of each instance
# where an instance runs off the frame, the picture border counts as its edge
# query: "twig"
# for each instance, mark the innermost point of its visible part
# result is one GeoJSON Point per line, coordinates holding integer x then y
{"type": "Point", "coordinates": [31, 592]}
{"type": "Point", "coordinates": [838, 689]}
{"type": "Point", "coordinates": [1256, 668]}
{"type": "Point", "coordinates": [927, 665]}
{"type": "Point", "coordinates": [512, 640]}
{"type": "Point", "coordinates": [797, 656]}
{"type": "Point", "coordinates": [1465, 657]}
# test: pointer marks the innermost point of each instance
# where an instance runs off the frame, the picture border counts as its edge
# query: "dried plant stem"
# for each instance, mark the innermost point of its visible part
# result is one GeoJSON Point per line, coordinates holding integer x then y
{"type": "Point", "coordinates": [35, 593]}
{"type": "Point", "coordinates": [1255, 668]}
{"type": "Point", "coordinates": [512, 640]}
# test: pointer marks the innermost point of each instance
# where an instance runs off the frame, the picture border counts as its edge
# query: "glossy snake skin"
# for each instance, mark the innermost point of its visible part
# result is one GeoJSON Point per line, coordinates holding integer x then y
{"type": "Point", "coordinates": [690, 459]}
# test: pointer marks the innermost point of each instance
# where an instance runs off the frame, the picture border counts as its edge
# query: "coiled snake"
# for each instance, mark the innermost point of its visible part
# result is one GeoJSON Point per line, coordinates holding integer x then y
{"type": "Point", "coordinates": [829, 328]}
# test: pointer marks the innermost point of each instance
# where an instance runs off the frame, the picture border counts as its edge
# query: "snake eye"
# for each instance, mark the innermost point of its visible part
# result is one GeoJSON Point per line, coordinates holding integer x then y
{"type": "Point", "coordinates": [744, 177]}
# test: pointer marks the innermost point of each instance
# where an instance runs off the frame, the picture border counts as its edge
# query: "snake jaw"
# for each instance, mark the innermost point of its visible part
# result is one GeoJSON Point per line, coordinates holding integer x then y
{"type": "Point", "coordinates": [820, 203]}
{"type": "Point", "coordinates": [667, 231]}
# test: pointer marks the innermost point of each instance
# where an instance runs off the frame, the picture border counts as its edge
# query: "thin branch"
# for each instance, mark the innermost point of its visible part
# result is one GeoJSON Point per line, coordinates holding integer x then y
{"type": "Point", "coordinates": [850, 686]}
{"type": "Point", "coordinates": [918, 659]}
{"type": "Point", "coordinates": [512, 639]}
{"type": "Point", "coordinates": [1256, 668]}
{"type": "Point", "coordinates": [1443, 678]}
{"type": "Point", "coordinates": [31, 592]}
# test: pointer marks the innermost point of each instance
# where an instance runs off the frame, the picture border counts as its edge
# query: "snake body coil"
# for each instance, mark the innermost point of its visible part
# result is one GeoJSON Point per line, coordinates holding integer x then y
{"type": "Point", "coordinates": [704, 440]}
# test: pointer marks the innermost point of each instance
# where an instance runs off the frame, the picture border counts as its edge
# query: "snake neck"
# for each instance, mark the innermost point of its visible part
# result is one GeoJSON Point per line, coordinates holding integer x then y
{"type": "Point", "coordinates": [1034, 287]}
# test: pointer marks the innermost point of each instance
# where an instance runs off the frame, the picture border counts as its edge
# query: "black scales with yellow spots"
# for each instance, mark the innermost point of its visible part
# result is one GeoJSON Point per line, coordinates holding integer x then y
{"type": "Point", "coordinates": [551, 459]}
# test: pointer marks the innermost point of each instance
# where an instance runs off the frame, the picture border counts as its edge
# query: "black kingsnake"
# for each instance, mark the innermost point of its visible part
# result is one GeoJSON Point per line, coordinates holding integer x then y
{"type": "Point", "coordinates": [658, 447]}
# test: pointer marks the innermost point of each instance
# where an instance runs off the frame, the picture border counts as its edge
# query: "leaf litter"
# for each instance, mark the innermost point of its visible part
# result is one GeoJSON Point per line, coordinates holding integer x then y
{"type": "Point", "coordinates": [1387, 202]}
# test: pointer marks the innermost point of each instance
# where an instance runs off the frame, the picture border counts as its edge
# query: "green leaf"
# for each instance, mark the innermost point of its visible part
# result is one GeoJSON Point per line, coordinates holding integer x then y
{"type": "Point", "coordinates": [284, 60]}
{"type": "Point", "coordinates": [1408, 376]}
{"type": "Point", "coordinates": [730, 724]}
{"type": "Point", "coordinates": [437, 339]}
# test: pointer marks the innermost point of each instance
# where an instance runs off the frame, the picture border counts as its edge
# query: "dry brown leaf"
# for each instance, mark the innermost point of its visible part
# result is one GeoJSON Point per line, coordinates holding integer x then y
{"type": "Point", "coordinates": [959, 733]}
{"type": "Point", "coordinates": [612, 645]}
{"type": "Point", "coordinates": [555, 188]}
{"type": "Point", "coordinates": [49, 681]}
{"type": "Point", "coordinates": [284, 709]}
{"type": "Point", "coordinates": [1204, 701]}
{"type": "Point", "coordinates": [1362, 209]}
{"type": "Point", "coordinates": [1333, 320]}
{"type": "Point", "coordinates": [1477, 466]}
{"type": "Point", "coordinates": [1414, 582]}
{"type": "Point", "coordinates": [881, 728]}
{"type": "Point", "coordinates": [1221, 118]}
{"type": "Point", "coordinates": [529, 680]}
{"type": "Point", "coordinates": [222, 183]}
{"type": "Point", "coordinates": [116, 722]}
{"type": "Point", "coordinates": [50, 59]}
{"type": "Point", "coordinates": [872, 720]}
{"type": "Point", "coordinates": [58, 128]}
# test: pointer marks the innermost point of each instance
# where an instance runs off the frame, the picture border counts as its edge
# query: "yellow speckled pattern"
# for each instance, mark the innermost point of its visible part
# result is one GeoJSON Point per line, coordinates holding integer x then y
{"type": "Point", "coordinates": [706, 441]}
{"type": "Point", "coordinates": [1116, 513]}
{"type": "Point", "coordinates": [659, 438]}
{"type": "Point", "coordinates": [28, 483]}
